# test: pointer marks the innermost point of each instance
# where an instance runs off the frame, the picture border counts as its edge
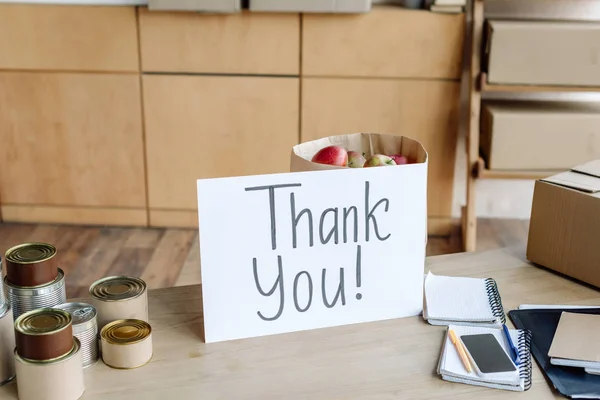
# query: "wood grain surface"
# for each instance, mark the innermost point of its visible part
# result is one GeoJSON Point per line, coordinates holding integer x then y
{"type": "Point", "coordinates": [394, 359]}
{"type": "Point", "coordinates": [242, 43]}
{"type": "Point", "coordinates": [215, 126]}
{"type": "Point", "coordinates": [68, 38]}
{"type": "Point", "coordinates": [386, 42]}
{"type": "Point", "coordinates": [71, 139]}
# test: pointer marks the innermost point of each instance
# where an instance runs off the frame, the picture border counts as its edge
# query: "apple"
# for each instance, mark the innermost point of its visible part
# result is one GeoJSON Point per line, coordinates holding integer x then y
{"type": "Point", "coordinates": [356, 159]}
{"type": "Point", "coordinates": [379, 160]}
{"type": "Point", "coordinates": [331, 155]}
{"type": "Point", "coordinates": [400, 160]}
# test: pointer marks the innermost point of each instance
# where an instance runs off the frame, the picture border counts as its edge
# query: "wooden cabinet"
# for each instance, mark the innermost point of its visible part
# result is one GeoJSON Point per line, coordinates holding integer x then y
{"type": "Point", "coordinates": [244, 43]}
{"type": "Point", "coordinates": [215, 126]}
{"type": "Point", "coordinates": [387, 42]}
{"type": "Point", "coordinates": [71, 140]}
{"type": "Point", "coordinates": [73, 38]}
{"type": "Point", "coordinates": [412, 108]}
{"type": "Point", "coordinates": [109, 115]}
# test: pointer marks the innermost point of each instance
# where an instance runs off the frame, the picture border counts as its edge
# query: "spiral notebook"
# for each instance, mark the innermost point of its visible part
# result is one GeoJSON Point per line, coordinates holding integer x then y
{"type": "Point", "coordinates": [462, 301]}
{"type": "Point", "coordinates": [451, 368]}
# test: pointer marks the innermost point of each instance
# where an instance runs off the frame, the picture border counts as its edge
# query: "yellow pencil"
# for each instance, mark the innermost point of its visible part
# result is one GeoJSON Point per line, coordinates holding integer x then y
{"type": "Point", "coordinates": [460, 350]}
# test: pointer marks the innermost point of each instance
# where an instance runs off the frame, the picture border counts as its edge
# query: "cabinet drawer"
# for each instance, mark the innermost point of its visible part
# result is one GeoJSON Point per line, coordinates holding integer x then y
{"type": "Point", "coordinates": [244, 43]}
{"type": "Point", "coordinates": [539, 135]}
{"type": "Point", "coordinates": [209, 126]}
{"type": "Point", "coordinates": [73, 38]}
{"type": "Point", "coordinates": [71, 139]}
{"type": "Point", "coordinates": [387, 42]}
{"type": "Point", "coordinates": [423, 110]}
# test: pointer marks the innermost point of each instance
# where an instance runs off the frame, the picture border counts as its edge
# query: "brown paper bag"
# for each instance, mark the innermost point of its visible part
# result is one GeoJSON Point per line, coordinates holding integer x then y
{"type": "Point", "coordinates": [367, 143]}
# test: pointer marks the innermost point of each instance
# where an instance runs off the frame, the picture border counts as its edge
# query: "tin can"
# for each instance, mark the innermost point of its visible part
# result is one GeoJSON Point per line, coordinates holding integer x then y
{"type": "Point", "coordinates": [85, 328]}
{"type": "Point", "coordinates": [31, 264]}
{"type": "Point", "coordinates": [24, 299]}
{"type": "Point", "coordinates": [2, 292]}
{"type": "Point", "coordinates": [126, 344]}
{"type": "Point", "coordinates": [119, 297]}
{"type": "Point", "coordinates": [60, 379]}
{"type": "Point", "coordinates": [7, 345]}
{"type": "Point", "coordinates": [44, 334]}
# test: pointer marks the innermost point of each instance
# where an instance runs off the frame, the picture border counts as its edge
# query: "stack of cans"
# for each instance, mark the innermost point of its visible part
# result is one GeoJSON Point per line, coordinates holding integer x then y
{"type": "Point", "coordinates": [47, 356]}
{"type": "Point", "coordinates": [125, 334]}
{"type": "Point", "coordinates": [33, 279]}
{"type": "Point", "coordinates": [85, 328]}
{"type": "Point", "coordinates": [7, 338]}
{"type": "Point", "coordinates": [119, 297]}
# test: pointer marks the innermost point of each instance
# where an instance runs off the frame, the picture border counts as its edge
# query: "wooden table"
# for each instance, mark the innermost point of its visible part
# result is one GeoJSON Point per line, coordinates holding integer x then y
{"type": "Point", "coordinates": [393, 359]}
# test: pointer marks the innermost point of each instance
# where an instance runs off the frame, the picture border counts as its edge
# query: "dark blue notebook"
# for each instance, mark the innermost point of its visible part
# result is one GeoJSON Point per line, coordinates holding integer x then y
{"type": "Point", "coordinates": [542, 323]}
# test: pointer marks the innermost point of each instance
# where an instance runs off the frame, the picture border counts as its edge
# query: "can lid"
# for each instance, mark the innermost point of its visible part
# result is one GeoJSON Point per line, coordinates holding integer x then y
{"type": "Point", "coordinates": [126, 331]}
{"type": "Point", "coordinates": [115, 288]}
{"type": "Point", "coordinates": [80, 312]}
{"type": "Point", "coordinates": [43, 321]}
{"type": "Point", "coordinates": [29, 253]}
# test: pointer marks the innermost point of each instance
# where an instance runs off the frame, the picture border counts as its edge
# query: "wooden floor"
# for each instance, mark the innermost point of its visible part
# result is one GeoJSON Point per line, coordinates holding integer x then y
{"type": "Point", "coordinates": [170, 257]}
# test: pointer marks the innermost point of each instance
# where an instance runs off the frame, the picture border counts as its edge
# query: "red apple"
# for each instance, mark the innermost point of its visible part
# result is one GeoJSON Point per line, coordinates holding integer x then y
{"type": "Point", "coordinates": [331, 155]}
{"type": "Point", "coordinates": [379, 160]}
{"type": "Point", "coordinates": [356, 159]}
{"type": "Point", "coordinates": [400, 160]}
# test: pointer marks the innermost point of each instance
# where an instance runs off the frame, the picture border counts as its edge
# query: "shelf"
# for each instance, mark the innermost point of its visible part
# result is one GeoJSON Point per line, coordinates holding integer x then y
{"type": "Point", "coordinates": [480, 172]}
{"type": "Point", "coordinates": [486, 87]}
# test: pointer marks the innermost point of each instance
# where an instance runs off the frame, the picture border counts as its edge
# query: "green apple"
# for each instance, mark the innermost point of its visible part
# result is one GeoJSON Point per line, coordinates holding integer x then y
{"type": "Point", "coordinates": [356, 159]}
{"type": "Point", "coordinates": [379, 160]}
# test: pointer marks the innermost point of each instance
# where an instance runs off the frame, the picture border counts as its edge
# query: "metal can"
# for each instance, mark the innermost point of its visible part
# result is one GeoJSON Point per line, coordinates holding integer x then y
{"type": "Point", "coordinates": [85, 328]}
{"type": "Point", "coordinates": [60, 379]}
{"type": "Point", "coordinates": [7, 345]}
{"type": "Point", "coordinates": [31, 264]}
{"type": "Point", "coordinates": [24, 299]}
{"type": "Point", "coordinates": [44, 334]}
{"type": "Point", "coordinates": [119, 297]}
{"type": "Point", "coordinates": [2, 294]}
{"type": "Point", "coordinates": [126, 344]}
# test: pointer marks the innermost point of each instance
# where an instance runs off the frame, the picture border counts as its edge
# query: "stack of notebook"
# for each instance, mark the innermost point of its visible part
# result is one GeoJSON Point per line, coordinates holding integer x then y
{"type": "Point", "coordinates": [451, 368]}
{"type": "Point", "coordinates": [462, 301]}
{"type": "Point", "coordinates": [543, 321]}
{"type": "Point", "coordinates": [576, 342]}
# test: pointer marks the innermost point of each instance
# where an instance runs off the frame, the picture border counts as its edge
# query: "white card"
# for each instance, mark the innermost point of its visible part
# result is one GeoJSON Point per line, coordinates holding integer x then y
{"type": "Point", "coordinates": [265, 271]}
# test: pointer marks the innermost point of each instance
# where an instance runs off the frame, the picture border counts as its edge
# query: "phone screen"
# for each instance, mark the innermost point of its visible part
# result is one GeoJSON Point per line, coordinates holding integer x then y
{"type": "Point", "coordinates": [487, 353]}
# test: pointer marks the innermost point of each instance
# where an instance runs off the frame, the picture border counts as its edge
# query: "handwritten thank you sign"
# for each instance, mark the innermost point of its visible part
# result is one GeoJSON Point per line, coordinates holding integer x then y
{"type": "Point", "coordinates": [297, 251]}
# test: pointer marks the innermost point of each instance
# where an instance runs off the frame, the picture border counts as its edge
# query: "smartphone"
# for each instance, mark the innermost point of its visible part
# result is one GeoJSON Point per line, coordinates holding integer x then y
{"type": "Point", "coordinates": [487, 354]}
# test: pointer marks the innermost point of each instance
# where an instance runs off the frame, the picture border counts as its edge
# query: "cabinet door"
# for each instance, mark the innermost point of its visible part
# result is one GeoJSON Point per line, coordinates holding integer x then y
{"type": "Point", "coordinates": [215, 126]}
{"type": "Point", "coordinates": [426, 111]}
{"type": "Point", "coordinates": [73, 38]}
{"type": "Point", "coordinates": [387, 42]}
{"type": "Point", "coordinates": [71, 139]}
{"type": "Point", "coordinates": [244, 43]}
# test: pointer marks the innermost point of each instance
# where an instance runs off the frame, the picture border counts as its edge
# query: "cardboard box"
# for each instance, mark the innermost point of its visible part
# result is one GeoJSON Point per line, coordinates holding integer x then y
{"type": "Point", "coordinates": [317, 6]}
{"type": "Point", "coordinates": [543, 53]}
{"type": "Point", "coordinates": [565, 222]}
{"type": "Point", "coordinates": [575, 10]}
{"type": "Point", "coordinates": [217, 6]}
{"type": "Point", "coordinates": [539, 135]}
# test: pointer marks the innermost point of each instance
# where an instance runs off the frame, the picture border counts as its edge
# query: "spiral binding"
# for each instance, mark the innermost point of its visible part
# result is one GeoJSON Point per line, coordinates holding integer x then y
{"type": "Point", "coordinates": [525, 367]}
{"type": "Point", "coordinates": [495, 300]}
